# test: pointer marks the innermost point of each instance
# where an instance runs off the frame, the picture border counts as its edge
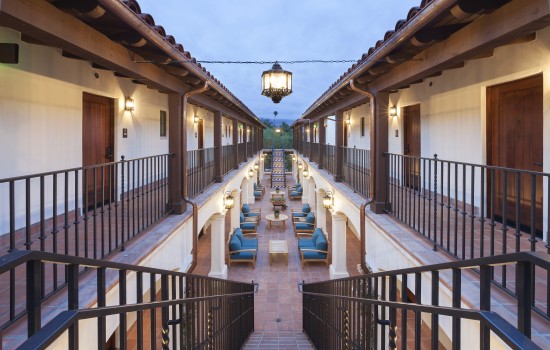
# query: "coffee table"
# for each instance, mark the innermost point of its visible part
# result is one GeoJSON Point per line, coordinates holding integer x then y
{"type": "Point", "coordinates": [278, 247]}
{"type": "Point", "coordinates": [271, 218]}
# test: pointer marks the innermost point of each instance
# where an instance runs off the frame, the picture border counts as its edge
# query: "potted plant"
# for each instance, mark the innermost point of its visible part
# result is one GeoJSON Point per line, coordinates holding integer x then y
{"type": "Point", "coordinates": [276, 214]}
{"type": "Point", "coordinates": [277, 189]}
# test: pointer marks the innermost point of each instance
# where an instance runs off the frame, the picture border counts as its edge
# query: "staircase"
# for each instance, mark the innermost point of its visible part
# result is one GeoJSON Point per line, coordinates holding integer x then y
{"type": "Point", "coordinates": [278, 175]}
{"type": "Point", "coordinates": [278, 340]}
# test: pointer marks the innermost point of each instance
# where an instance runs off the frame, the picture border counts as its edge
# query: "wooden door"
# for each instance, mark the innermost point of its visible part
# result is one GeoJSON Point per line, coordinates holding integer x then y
{"type": "Point", "coordinates": [97, 148]}
{"type": "Point", "coordinates": [514, 140]}
{"type": "Point", "coordinates": [411, 145]}
{"type": "Point", "coordinates": [200, 134]}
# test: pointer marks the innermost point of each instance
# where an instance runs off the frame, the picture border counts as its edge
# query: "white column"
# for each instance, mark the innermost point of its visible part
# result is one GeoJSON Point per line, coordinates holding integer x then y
{"type": "Point", "coordinates": [320, 211]}
{"type": "Point", "coordinates": [236, 210]}
{"type": "Point", "coordinates": [305, 188]}
{"type": "Point", "coordinates": [218, 268]}
{"type": "Point", "coordinates": [250, 188]}
{"type": "Point", "coordinates": [338, 267]}
{"type": "Point", "coordinates": [311, 192]}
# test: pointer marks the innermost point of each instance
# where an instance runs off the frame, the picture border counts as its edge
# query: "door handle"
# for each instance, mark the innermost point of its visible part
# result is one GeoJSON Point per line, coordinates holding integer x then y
{"type": "Point", "coordinates": [108, 152]}
{"type": "Point", "coordinates": [537, 163]}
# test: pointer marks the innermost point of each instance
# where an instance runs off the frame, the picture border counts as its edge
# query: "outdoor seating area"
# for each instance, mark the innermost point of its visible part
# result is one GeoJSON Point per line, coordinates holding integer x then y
{"type": "Point", "coordinates": [295, 192]}
{"type": "Point", "coordinates": [242, 247]}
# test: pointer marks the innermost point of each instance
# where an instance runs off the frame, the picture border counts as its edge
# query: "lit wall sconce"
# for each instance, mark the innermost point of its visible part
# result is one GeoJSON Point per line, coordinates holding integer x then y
{"type": "Point", "coordinates": [263, 156]}
{"type": "Point", "coordinates": [293, 158]}
{"type": "Point", "coordinates": [250, 173]}
{"type": "Point", "coordinates": [328, 200]}
{"type": "Point", "coordinates": [393, 111]}
{"type": "Point", "coordinates": [196, 119]}
{"type": "Point", "coordinates": [248, 131]}
{"type": "Point", "coordinates": [305, 173]}
{"type": "Point", "coordinates": [315, 126]}
{"type": "Point", "coordinates": [241, 126]}
{"type": "Point", "coordinates": [228, 200]}
{"type": "Point", "coordinates": [348, 121]}
{"type": "Point", "coordinates": [300, 166]}
{"type": "Point", "coordinates": [129, 104]}
{"type": "Point", "coordinates": [256, 166]}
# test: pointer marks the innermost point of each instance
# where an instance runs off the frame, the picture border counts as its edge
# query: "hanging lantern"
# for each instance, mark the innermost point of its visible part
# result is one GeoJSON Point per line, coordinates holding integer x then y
{"type": "Point", "coordinates": [276, 83]}
{"type": "Point", "coordinates": [229, 200]}
{"type": "Point", "coordinates": [250, 172]}
{"type": "Point", "coordinates": [327, 200]}
{"type": "Point", "coordinates": [305, 173]}
{"type": "Point", "coordinates": [256, 166]}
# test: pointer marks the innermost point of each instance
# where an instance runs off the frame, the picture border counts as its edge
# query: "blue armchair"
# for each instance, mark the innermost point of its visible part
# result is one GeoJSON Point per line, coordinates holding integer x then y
{"type": "Point", "coordinates": [301, 213]}
{"type": "Point", "coordinates": [305, 225]}
{"type": "Point", "coordinates": [296, 193]}
{"type": "Point", "coordinates": [248, 224]}
{"type": "Point", "coordinates": [241, 248]}
{"type": "Point", "coordinates": [258, 191]}
{"type": "Point", "coordinates": [313, 247]}
{"type": "Point", "coordinates": [251, 213]}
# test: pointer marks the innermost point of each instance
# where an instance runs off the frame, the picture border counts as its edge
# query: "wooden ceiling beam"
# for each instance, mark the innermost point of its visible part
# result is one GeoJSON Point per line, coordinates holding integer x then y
{"type": "Point", "coordinates": [480, 36]}
{"type": "Point", "coordinates": [44, 22]}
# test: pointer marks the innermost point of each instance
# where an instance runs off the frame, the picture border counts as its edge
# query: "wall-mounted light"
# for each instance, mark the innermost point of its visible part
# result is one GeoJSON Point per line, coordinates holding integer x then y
{"type": "Point", "coordinates": [315, 126]}
{"type": "Point", "coordinates": [256, 166]}
{"type": "Point", "coordinates": [293, 158]}
{"type": "Point", "coordinates": [300, 166]}
{"type": "Point", "coordinates": [328, 200]}
{"type": "Point", "coordinates": [228, 200]}
{"type": "Point", "coordinates": [241, 126]}
{"type": "Point", "coordinates": [305, 173]}
{"type": "Point", "coordinates": [196, 119]}
{"type": "Point", "coordinates": [393, 111]}
{"type": "Point", "coordinates": [250, 173]}
{"type": "Point", "coordinates": [129, 104]}
{"type": "Point", "coordinates": [307, 129]}
{"type": "Point", "coordinates": [263, 156]}
{"type": "Point", "coordinates": [348, 121]}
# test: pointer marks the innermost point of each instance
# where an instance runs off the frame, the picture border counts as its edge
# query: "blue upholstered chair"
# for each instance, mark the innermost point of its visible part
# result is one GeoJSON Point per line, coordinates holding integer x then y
{"type": "Point", "coordinates": [248, 224]}
{"type": "Point", "coordinates": [251, 213]}
{"type": "Point", "coordinates": [258, 191]}
{"type": "Point", "coordinates": [296, 193]}
{"type": "Point", "coordinates": [313, 247]}
{"type": "Point", "coordinates": [242, 247]}
{"type": "Point", "coordinates": [305, 226]}
{"type": "Point", "coordinates": [301, 213]}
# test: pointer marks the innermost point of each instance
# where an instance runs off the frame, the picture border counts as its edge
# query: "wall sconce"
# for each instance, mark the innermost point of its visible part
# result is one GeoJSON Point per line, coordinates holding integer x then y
{"type": "Point", "coordinates": [241, 126]}
{"type": "Point", "coordinates": [307, 129]}
{"type": "Point", "coordinates": [305, 173]}
{"type": "Point", "coordinates": [250, 173]}
{"type": "Point", "coordinates": [300, 166]}
{"type": "Point", "coordinates": [256, 166]}
{"type": "Point", "coordinates": [263, 156]}
{"type": "Point", "coordinates": [196, 119]}
{"type": "Point", "coordinates": [348, 121]}
{"type": "Point", "coordinates": [293, 158]}
{"type": "Point", "coordinates": [328, 200]}
{"type": "Point", "coordinates": [129, 104]}
{"type": "Point", "coordinates": [393, 111]}
{"type": "Point", "coordinates": [228, 200]}
{"type": "Point", "coordinates": [315, 126]}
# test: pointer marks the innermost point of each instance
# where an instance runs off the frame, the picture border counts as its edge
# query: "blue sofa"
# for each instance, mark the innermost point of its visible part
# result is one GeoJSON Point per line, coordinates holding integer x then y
{"type": "Point", "coordinates": [304, 225]}
{"type": "Point", "coordinates": [241, 248]}
{"type": "Point", "coordinates": [313, 247]}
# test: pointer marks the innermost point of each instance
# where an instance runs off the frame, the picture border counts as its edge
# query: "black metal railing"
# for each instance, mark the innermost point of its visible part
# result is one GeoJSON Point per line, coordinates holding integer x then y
{"type": "Point", "coordinates": [470, 210]}
{"type": "Point", "coordinates": [88, 212]}
{"type": "Point", "coordinates": [228, 162]}
{"type": "Point", "coordinates": [329, 159]}
{"type": "Point", "coordinates": [195, 312]}
{"type": "Point", "coordinates": [314, 153]}
{"type": "Point", "coordinates": [241, 152]}
{"type": "Point", "coordinates": [379, 310]}
{"type": "Point", "coordinates": [200, 170]}
{"type": "Point", "coordinates": [356, 169]}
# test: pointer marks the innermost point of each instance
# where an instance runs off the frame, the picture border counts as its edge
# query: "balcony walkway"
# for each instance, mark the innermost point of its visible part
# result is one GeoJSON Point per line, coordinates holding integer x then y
{"type": "Point", "coordinates": [278, 304]}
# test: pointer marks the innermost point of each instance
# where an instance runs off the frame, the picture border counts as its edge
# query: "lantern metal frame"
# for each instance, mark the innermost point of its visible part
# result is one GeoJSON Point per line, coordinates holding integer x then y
{"type": "Point", "coordinates": [228, 200]}
{"type": "Point", "coordinates": [129, 104]}
{"type": "Point", "coordinates": [328, 200]}
{"type": "Point", "coordinates": [276, 93]}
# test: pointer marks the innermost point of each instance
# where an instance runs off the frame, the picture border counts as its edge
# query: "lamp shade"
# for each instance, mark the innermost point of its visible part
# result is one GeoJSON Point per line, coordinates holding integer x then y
{"type": "Point", "coordinates": [276, 83]}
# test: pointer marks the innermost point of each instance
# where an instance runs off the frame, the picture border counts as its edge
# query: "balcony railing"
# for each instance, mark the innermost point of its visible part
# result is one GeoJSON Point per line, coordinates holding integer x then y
{"type": "Point", "coordinates": [200, 170]}
{"type": "Point", "coordinates": [470, 210]}
{"type": "Point", "coordinates": [241, 152]}
{"type": "Point", "coordinates": [196, 312]}
{"type": "Point", "coordinates": [314, 153]}
{"type": "Point", "coordinates": [329, 159]}
{"type": "Point", "coordinates": [367, 312]}
{"type": "Point", "coordinates": [356, 169]}
{"type": "Point", "coordinates": [228, 162]}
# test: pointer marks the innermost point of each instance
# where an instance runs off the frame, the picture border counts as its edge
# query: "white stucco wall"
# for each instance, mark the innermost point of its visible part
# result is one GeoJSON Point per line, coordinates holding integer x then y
{"type": "Point", "coordinates": [354, 131]}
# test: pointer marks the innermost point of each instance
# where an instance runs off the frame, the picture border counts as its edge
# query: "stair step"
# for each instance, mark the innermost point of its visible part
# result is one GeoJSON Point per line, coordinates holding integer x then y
{"type": "Point", "coordinates": [278, 340]}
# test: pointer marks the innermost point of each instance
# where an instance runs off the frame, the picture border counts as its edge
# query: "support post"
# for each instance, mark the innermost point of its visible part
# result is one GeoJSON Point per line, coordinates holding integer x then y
{"type": "Point", "coordinates": [379, 144]}
{"type": "Point", "coordinates": [320, 210]}
{"type": "Point", "coordinates": [339, 145]}
{"type": "Point", "coordinates": [236, 143]}
{"type": "Point", "coordinates": [338, 268]}
{"type": "Point", "coordinates": [176, 130]}
{"type": "Point", "coordinates": [218, 268]}
{"type": "Point", "coordinates": [235, 211]}
{"type": "Point", "coordinates": [218, 146]}
{"type": "Point", "coordinates": [322, 142]}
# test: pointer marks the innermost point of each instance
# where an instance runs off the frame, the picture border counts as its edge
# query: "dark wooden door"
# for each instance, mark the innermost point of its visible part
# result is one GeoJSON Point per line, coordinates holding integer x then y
{"type": "Point", "coordinates": [514, 140]}
{"type": "Point", "coordinates": [411, 145]}
{"type": "Point", "coordinates": [97, 148]}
